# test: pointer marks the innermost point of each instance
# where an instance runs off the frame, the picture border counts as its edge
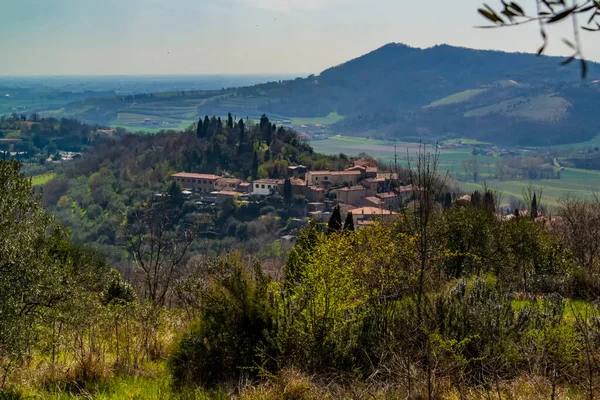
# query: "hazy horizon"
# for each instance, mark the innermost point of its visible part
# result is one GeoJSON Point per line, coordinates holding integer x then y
{"type": "Point", "coordinates": [240, 37]}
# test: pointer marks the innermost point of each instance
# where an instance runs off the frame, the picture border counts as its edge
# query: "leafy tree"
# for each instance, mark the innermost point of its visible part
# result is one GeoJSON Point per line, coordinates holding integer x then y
{"type": "Point", "coordinates": [234, 327]}
{"type": "Point", "coordinates": [36, 271]}
{"type": "Point", "coordinates": [335, 221]}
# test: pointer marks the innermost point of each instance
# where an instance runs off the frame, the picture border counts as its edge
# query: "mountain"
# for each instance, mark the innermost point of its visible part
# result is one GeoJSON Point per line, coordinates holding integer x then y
{"type": "Point", "coordinates": [401, 92]}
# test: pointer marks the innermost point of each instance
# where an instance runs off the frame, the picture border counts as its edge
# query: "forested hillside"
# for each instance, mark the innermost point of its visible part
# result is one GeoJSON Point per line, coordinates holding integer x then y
{"type": "Point", "coordinates": [92, 196]}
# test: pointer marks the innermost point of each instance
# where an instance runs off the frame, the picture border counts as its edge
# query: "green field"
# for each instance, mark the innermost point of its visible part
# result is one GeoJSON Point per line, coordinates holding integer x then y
{"type": "Point", "coordinates": [39, 180]}
{"type": "Point", "coordinates": [573, 182]}
{"type": "Point", "coordinates": [332, 118]}
{"type": "Point", "coordinates": [540, 108]}
{"type": "Point", "coordinates": [456, 98]}
{"type": "Point", "coordinates": [151, 128]}
{"type": "Point", "coordinates": [580, 183]}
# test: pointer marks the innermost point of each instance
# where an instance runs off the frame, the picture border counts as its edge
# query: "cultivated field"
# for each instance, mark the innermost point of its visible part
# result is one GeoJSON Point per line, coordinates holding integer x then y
{"type": "Point", "coordinates": [575, 182]}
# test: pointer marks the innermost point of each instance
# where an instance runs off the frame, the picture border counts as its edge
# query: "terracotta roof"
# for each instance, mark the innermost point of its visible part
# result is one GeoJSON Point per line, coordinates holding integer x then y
{"type": "Point", "coordinates": [245, 184]}
{"type": "Point", "coordinates": [229, 180]}
{"type": "Point", "coordinates": [298, 182]}
{"type": "Point", "coordinates": [269, 181]}
{"type": "Point", "coordinates": [386, 195]}
{"type": "Point", "coordinates": [372, 211]}
{"type": "Point", "coordinates": [334, 172]}
{"type": "Point", "coordinates": [374, 200]}
{"type": "Point", "coordinates": [364, 162]}
{"type": "Point", "coordinates": [228, 193]}
{"type": "Point", "coordinates": [351, 189]}
{"type": "Point", "coordinates": [195, 176]}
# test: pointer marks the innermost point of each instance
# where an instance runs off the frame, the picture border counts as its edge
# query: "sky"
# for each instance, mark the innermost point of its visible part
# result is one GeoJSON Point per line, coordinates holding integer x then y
{"type": "Point", "coordinates": [105, 37]}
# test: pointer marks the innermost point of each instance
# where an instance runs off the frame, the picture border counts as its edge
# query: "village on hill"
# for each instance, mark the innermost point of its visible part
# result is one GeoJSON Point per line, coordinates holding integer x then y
{"type": "Point", "coordinates": [362, 189]}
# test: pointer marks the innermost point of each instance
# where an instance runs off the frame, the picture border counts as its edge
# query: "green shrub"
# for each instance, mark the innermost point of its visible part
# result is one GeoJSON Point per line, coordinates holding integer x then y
{"type": "Point", "coordinates": [232, 333]}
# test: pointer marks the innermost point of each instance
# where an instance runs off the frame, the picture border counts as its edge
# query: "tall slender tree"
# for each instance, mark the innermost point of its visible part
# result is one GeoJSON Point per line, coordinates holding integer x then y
{"type": "Point", "coordinates": [230, 121]}
{"type": "Point", "coordinates": [534, 207]}
{"type": "Point", "coordinates": [335, 221]}
{"type": "Point", "coordinates": [255, 166]}
{"type": "Point", "coordinates": [242, 137]}
{"type": "Point", "coordinates": [199, 130]}
{"type": "Point", "coordinates": [205, 126]}
{"type": "Point", "coordinates": [349, 224]}
{"type": "Point", "coordinates": [287, 189]}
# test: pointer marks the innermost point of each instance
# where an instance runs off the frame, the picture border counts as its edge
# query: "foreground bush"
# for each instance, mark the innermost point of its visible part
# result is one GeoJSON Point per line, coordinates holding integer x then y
{"type": "Point", "coordinates": [231, 336]}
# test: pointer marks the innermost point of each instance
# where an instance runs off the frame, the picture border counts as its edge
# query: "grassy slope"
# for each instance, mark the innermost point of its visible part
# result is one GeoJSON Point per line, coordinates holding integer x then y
{"type": "Point", "coordinates": [39, 180]}
{"type": "Point", "coordinates": [456, 98]}
{"type": "Point", "coordinates": [540, 108]}
{"type": "Point", "coordinates": [332, 118]}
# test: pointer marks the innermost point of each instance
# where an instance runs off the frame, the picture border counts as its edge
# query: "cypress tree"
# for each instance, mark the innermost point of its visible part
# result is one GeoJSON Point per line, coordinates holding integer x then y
{"type": "Point", "coordinates": [219, 126]}
{"type": "Point", "coordinates": [205, 126]}
{"type": "Point", "coordinates": [242, 138]}
{"type": "Point", "coordinates": [476, 199]}
{"type": "Point", "coordinates": [489, 203]}
{"type": "Point", "coordinates": [448, 200]}
{"type": "Point", "coordinates": [534, 207]}
{"type": "Point", "coordinates": [230, 121]}
{"type": "Point", "coordinates": [335, 221]}
{"type": "Point", "coordinates": [349, 224]}
{"type": "Point", "coordinates": [287, 189]}
{"type": "Point", "coordinates": [254, 171]}
{"type": "Point", "coordinates": [199, 129]}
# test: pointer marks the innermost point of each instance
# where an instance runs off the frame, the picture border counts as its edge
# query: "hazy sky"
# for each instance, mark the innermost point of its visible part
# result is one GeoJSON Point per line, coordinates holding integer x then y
{"type": "Point", "coordinates": [238, 36]}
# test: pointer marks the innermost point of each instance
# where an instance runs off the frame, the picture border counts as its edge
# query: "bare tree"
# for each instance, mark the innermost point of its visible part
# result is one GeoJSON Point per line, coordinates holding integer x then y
{"type": "Point", "coordinates": [427, 187]}
{"type": "Point", "coordinates": [578, 223]}
{"type": "Point", "coordinates": [158, 247]}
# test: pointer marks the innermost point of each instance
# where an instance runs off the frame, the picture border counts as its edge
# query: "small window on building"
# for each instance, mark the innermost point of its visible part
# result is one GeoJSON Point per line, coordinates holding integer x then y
{"type": "Point", "coordinates": [326, 178]}
{"type": "Point", "coordinates": [257, 185]}
{"type": "Point", "coordinates": [316, 178]}
{"type": "Point", "coordinates": [262, 186]}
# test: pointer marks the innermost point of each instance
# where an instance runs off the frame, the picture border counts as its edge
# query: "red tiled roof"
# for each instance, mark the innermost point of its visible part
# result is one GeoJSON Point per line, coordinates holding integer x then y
{"type": "Point", "coordinates": [229, 180]}
{"type": "Point", "coordinates": [195, 176]}
{"type": "Point", "coordinates": [269, 181]}
{"type": "Point", "coordinates": [372, 211]}
{"type": "Point", "coordinates": [351, 189]}
{"type": "Point", "coordinates": [334, 172]}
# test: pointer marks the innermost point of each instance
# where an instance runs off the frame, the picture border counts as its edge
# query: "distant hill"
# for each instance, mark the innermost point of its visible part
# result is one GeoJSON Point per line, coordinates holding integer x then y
{"type": "Point", "coordinates": [401, 92]}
